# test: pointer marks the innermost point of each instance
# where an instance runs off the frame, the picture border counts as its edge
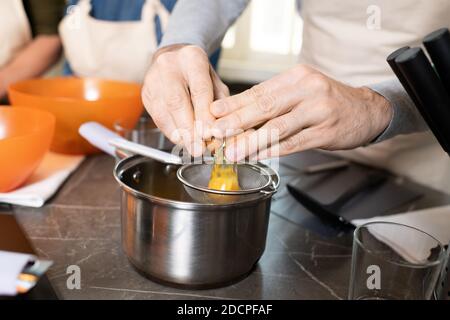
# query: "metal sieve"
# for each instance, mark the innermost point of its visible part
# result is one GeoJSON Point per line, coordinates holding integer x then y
{"type": "Point", "coordinates": [252, 178]}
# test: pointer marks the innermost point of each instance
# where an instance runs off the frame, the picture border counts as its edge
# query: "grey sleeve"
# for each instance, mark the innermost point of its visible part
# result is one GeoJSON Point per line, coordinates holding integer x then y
{"type": "Point", "coordinates": [202, 22]}
{"type": "Point", "coordinates": [406, 118]}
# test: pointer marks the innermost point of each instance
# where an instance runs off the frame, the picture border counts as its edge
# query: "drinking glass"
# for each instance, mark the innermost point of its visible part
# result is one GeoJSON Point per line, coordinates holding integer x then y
{"type": "Point", "coordinates": [392, 261]}
{"type": "Point", "coordinates": [145, 133]}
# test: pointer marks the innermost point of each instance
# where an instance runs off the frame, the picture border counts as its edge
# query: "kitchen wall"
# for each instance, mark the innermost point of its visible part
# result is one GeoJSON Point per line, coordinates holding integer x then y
{"type": "Point", "coordinates": [265, 40]}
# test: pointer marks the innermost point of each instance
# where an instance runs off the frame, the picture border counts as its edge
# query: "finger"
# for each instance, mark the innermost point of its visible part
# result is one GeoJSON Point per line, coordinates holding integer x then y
{"type": "Point", "coordinates": [220, 91]}
{"type": "Point", "coordinates": [165, 123]}
{"type": "Point", "coordinates": [307, 139]}
{"type": "Point", "coordinates": [202, 93]}
{"type": "Point", "coordinates": [230, 104]}
{"type": "Point", "coordinates": [253, 95]}
{"type": "Point", "coordinates": [213, 145]}
{"type": "Point", "coordinates": [241, 140]}
{"type": "Point", "coordinates": [272, 132]}
{"type": "Point", "coordinates": [178, 104]}
{"type": "Point", "coordinates": [155, 107]}
{"type": "Point", "coordinates": [266, 107]}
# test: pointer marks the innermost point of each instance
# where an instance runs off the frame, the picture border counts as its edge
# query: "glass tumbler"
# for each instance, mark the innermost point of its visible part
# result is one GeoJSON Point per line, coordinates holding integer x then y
{"type": "Point", "coordinates": [145, 133]}
{"type": "Point", "coordinates": [394, 262]}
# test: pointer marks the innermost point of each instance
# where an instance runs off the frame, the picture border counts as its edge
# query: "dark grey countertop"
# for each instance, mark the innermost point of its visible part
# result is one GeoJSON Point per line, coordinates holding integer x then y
{"type": "Point", "coordinates": [81, 226]}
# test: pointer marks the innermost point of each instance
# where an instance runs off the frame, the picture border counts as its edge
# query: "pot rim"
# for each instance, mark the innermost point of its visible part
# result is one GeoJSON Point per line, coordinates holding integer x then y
{"type": "Point", "coordinates": [188, 205]}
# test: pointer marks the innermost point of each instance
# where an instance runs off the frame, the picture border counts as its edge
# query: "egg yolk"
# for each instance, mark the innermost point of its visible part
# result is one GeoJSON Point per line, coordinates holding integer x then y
{"type": "Point", "coordinates": [224, 177]}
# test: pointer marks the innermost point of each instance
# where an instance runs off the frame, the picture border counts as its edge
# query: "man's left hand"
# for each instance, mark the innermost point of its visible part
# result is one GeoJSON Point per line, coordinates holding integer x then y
{"type": "Point", "coordinates": [297, 110]}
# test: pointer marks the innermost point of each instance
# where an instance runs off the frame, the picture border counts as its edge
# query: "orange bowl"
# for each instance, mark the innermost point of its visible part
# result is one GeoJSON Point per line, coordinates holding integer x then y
{"type": "Point", "coordinates": [25, 137]}
{"type": "Point", "coordinates": [75, 101]}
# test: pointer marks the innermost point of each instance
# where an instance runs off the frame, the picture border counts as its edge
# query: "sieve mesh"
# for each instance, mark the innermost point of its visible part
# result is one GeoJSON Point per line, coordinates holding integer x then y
{"type": "Point", "coordinates": [251, 178]}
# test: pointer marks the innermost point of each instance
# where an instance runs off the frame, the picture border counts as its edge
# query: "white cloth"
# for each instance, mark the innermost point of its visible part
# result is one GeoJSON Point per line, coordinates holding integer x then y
{"type": "Point", "coordinates": [15, 31]}
{"type": "Point", "coordinates": [434, 221]}
{"type": "Point", "coordinates": [44, 182]}
{"type": "Point", "coordinates": [119, 50]}
{"type": "Point", "coordinates": [11, 265]}
{"type": "Point", "coordinates": [350, 40]}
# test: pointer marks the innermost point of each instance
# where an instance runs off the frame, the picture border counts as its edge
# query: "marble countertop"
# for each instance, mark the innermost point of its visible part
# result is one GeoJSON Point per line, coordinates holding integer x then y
{"type": "Point", "coordinates": [81, 226]}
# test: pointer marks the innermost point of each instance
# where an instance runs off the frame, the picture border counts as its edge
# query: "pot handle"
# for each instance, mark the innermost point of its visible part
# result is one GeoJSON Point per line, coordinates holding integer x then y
{"type": "Point", "coordinates": [136, 148]}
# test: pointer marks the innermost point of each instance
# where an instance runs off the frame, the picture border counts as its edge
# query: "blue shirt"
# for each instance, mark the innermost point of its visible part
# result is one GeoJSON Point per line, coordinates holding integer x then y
{"type": "Point", "coordinates": [127, 10]}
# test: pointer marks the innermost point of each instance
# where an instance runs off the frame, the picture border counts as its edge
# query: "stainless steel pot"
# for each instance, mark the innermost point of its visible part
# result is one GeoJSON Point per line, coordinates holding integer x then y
{"type": "Point", "coordinates": [171, 238]}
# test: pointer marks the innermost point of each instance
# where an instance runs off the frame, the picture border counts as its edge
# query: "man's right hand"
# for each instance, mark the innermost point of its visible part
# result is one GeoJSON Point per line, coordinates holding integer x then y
{"type": "Point", "coordinates": [178, 90]}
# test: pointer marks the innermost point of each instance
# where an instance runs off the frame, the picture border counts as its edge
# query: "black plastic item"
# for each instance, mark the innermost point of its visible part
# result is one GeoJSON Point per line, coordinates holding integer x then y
{"type": "Point", "coordinates": [437, 44]}
{"type": "Point", "coordinates": [429, 90]}
{"type": "Point", "coordinates": [330, 212]}
{"type": "Point", "coordinates": [12, 238]}
{"type": "Point", "coordinates": [422, 109]}
{"type": "Point", "coordinates": [326, 187]}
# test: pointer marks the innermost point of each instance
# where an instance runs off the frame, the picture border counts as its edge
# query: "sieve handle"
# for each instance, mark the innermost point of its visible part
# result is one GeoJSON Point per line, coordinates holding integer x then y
{"type": "Point", "coordinates": [273, 186]}
{"type": "Point", "coordinates": [270, 189]}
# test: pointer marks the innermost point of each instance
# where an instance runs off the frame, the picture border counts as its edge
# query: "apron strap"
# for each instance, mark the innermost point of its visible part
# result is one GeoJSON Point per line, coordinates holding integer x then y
{"type": "Point", "coordinates": [155, 7]}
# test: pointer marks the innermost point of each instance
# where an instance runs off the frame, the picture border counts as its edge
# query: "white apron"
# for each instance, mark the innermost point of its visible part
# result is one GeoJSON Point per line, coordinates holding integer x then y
{"type": "Point", "coordinates": [118, 50]}
{"type": "Point", "coordinates": [346, 40]}
{"type": "Point", "coordinates": [15, 31]}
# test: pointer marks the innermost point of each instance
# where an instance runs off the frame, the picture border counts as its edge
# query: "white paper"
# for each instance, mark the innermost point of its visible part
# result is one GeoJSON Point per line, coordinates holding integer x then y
{"type": "Point", "coordinates": [44, 182]}
{"type": "Point", "coordinates": [434, 221]}
{"type": "Point", "coordinates": [11, 265]}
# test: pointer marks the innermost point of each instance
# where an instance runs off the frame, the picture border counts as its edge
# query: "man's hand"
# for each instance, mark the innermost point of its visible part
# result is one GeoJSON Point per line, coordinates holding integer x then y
{"type": "Point", "coordinates": [297, 110]}
{"type": "Point", "coordinates": [178, 90]}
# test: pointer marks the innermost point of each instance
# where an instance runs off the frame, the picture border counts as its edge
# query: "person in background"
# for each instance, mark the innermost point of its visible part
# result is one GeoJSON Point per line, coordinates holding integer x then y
{"type": "Point", "coordinates": [342, 96]}
{"type": "Point", "coordinates": [114, 39]}
{"type": "Point", "coordinates": [29, 41]}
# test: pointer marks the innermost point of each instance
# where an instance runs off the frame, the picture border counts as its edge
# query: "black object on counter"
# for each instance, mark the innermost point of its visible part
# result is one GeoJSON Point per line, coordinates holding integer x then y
{"type": "Point", "coordinates": [422, 109]}
{"type": "Point", "coordinates": [428, 90]}
{"type": "Point", "coordinates": [330, 212]}
{"type": "Point", "coordinates": [437, 44]}
{"type": "Point", "coordinates": [13, 239]}
{"type": "Point", "coordinates": [326, 187]}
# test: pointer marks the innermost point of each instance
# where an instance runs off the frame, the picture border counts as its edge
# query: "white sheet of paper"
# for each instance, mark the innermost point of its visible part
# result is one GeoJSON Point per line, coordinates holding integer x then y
{"type": "Point", "coordinates": [45, 181]}
{"type": "Point", "coordinates": [11, 265]}
{"type": "Point", "coordinates": [434, 221]}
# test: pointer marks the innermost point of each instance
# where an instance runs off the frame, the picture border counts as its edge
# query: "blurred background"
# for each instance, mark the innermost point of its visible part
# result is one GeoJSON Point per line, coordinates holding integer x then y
{"type": "Point", "coordinates": [263, 42]}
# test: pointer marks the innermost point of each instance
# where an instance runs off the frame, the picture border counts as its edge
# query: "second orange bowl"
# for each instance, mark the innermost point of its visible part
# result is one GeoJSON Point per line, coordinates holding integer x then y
{"type": "Point", "coordinates": [75, 101]}
{"type": "Point", "coordinates": [25, 136]}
